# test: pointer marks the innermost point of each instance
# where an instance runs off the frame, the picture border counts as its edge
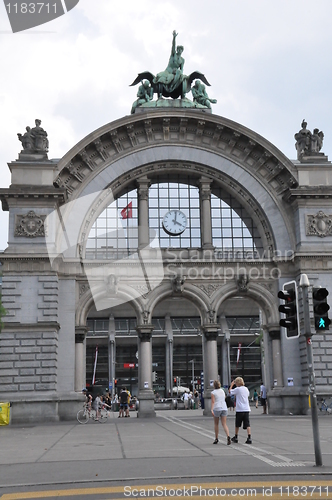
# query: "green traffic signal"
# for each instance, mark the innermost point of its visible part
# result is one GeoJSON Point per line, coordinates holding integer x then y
{"type": "Point", "coordinates": [321, 308]}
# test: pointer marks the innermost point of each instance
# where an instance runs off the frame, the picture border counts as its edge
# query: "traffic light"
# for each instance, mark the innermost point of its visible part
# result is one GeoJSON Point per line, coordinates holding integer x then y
{"type": "Point", "coordinates": [321, 307]}
{"type": "Point", "coordinates": [289, 309]}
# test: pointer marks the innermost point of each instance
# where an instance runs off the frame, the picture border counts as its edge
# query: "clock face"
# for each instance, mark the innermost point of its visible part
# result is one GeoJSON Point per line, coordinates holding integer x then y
{"type": "Point", "coordinates": [174, 222]}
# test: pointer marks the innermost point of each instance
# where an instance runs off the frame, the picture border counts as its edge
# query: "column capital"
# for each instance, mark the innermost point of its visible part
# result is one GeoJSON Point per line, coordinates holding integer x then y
{"type": "Point", "coordinates": [80, 334]}
{"type": "Point", "coordinates": [145, 332]}
{"type": "Point", "coordinates": [274, 334]}
{"type": "Point", "coordinates": [143, 184]}
{"type": "Point", "coordinates": [210, 331]}
{"type": "Point", "coordinates": [205, 182]}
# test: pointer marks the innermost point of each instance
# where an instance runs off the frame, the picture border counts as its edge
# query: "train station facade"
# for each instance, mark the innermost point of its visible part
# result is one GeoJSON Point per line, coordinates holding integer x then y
{"type": "Point", "coordinates": [160, 241]}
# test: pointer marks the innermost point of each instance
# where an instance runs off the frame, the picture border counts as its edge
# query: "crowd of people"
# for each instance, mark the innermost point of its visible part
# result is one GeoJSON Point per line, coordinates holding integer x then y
{"type": "Point", "coordinates": [237, 397]}
{"type": "Point", "coordinates": [124, 401]}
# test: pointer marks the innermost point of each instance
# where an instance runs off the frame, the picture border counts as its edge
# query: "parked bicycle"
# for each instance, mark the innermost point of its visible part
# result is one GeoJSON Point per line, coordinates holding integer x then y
{"type": "Point", "coordinates": [325, 406]}
{"type": "Point", "coordinates": [87, 413]}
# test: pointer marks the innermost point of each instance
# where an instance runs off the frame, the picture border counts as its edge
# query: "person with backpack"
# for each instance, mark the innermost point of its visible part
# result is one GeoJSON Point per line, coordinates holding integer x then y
{"type": "Point", "coordinates": [242, 408]}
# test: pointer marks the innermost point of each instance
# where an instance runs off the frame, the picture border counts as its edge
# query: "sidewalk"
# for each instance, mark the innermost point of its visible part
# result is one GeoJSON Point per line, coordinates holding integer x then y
{"type": "Point", "coordinates": [176, 444]}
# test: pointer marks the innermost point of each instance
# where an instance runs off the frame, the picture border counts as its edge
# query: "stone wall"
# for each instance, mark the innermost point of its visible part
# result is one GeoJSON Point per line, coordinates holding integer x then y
{"type": "Point", "coordinates": [28, 360]}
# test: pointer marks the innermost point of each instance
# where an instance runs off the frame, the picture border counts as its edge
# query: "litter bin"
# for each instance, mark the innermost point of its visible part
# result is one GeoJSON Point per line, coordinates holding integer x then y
{"type": "Point", "coordinates": [4, 413]}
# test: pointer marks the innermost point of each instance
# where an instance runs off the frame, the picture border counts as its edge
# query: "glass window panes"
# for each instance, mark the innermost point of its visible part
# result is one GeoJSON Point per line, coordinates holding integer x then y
{"type": "Point", "coordinates": [114, 236]}
{"type": "Point", "coordinates": [237, 229]}
{"type": "Point", "coordinates": [180, 196]}
{"type": "Point", "coordinates": [114, 233]}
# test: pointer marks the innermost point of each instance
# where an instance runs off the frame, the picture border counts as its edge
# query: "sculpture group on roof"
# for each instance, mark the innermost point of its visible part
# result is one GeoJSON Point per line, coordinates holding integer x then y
{"type": "Point", "coordinates": [172, 82]}
{"type": "Point", "coordinates": [308, 143]}
{"type": "Point", "coordinates": [34, 140]}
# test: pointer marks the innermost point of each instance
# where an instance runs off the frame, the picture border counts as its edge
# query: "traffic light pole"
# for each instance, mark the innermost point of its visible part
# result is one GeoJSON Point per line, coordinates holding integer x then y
{"type": "Point", "coordinates": [304, 284]}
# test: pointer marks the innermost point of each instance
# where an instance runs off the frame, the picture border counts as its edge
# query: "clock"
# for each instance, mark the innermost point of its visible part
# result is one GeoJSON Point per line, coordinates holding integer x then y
{"type": "Point", "coordinates": [174, 222]}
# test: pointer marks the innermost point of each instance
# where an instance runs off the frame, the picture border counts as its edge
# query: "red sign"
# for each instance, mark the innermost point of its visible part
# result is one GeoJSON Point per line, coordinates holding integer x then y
{"type": "Point", "coordinates": [128, 365]}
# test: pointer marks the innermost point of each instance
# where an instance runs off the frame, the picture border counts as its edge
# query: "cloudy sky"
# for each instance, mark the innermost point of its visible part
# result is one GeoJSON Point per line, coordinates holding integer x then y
{"type": "Point", "coordinates": [269, 65]}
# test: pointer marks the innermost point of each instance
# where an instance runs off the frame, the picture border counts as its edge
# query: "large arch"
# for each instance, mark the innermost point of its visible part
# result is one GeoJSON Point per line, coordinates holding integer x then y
{"type": "Point", "coordinates": [116, 155]}
{"type": "Point", "coordinates": [217, 155]}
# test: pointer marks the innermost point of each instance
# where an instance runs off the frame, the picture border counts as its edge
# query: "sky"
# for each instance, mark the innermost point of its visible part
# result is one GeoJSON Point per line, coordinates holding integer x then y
{"type": "Point", "coordinates": [268, 63]}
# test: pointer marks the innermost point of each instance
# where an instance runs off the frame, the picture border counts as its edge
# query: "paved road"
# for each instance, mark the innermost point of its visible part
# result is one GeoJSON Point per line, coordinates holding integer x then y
{"type": "Point", "coordinates": [175, 448]}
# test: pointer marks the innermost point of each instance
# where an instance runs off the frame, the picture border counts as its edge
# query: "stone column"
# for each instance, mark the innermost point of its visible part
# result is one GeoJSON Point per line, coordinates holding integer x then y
{"type": "Point", "coordinates": [169, 356]}
{"type": "Point", "coordinates": [276, 359]}
{"type": "Point", "coordinates": [143, 211]}
{"type": "Point", "coordinates": [80, 367]}
{"type": "Point", "coordinates": [205, 207]}
{"type": "Point", "coordinates": [145, 388]}
{"type": "Point", "coordinates": [210, 361]}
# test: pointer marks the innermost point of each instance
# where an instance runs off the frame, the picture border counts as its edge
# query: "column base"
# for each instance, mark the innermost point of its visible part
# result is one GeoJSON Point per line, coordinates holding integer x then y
{"type": "Point", "coordinates": [288, 401]}
{"type": "Point", "coordinates": [207, 406]}
{"type": "Point", "coordinates": [146, 405]}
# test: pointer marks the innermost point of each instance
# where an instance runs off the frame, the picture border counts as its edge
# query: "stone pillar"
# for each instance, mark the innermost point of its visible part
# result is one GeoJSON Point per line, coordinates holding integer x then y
{"type": "Point", "coordinates": [143, 211]}
{"type": "Point", "coordinates": [145, 388]}
{"type": "Point", "coordinates": [111, 354]}
{"type": "Point", "coordinates": [80, 367]}
{"type": "Point", "coordinates": [210, 361]}
{"type": "Point", "coordinates": [169, 356]}
{"type": "Point", "coordinates": [276, 359]}
{"type": "Point", "coordinates": [205, 204]}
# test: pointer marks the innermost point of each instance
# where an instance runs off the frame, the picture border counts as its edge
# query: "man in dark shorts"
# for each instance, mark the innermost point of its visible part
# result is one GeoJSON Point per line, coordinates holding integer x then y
{"type": "Point", "coordinates": [123, 403]}
{"type": "Point", "coordinates": [242, 408]}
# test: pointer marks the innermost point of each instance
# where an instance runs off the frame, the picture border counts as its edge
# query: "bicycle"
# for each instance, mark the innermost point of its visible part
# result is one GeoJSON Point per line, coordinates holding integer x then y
{"type": "Point", "coordinates": [84, 415]}
{"type": "Point", "coordinates": [325, 407]}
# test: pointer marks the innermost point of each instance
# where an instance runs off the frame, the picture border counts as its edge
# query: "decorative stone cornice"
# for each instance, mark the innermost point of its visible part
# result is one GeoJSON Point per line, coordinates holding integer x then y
{"type": "Point", "coordinates": [214, 133]}
{"type": "Point", "coordinates": [308, 192]}
{"type": "Point", "coordinates": [45, 194]}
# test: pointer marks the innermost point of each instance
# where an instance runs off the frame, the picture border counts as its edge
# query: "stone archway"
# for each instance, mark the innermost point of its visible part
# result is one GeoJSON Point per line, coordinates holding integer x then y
{"type": "Point", "coordinates": [131, 152]}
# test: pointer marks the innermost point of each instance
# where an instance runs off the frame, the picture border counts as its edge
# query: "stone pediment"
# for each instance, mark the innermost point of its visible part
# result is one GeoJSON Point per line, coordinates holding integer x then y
{"type": "Point", "coordinates": [193, 129]}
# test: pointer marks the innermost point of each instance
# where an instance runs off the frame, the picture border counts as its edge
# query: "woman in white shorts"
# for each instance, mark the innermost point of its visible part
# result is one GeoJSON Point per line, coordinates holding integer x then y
{"type": "Point", "coordinates": [219, 409]}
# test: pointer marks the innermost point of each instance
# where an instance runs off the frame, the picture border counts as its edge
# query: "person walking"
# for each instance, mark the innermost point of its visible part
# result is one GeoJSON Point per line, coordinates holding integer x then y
{"type": "Point", "coordinates": [123, 403]}
{"type": "Point", "coordinates": [186, 401]}
{"type": "Point", "coordinates": [242, 408]}
{"type": "Point", "coordinates": [263, 398]}
{"type": "Point", "coordinates": [219, 409]}
{"type": "Point", "coordinates": [256, 398]}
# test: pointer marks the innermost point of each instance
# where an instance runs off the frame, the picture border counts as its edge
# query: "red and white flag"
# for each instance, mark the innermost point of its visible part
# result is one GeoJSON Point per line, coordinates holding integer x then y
{"type": "Point", "coordinates": [95, 367]}
{"type": "Point", "coordinates": [127, 212]}
{"type": "Point", "coordinates": [238, 354]}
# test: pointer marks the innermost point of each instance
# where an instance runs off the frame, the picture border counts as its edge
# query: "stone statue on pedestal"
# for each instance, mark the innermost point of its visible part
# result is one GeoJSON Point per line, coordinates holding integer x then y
{"type": "Point", "coordinates": [307, 143]}
{"type": "Point", "coordinates": [34, 140]}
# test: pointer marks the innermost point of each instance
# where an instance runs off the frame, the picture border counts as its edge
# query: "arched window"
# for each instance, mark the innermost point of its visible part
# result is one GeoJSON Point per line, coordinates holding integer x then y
{"type": "Point", "coordinates": [114, 233]}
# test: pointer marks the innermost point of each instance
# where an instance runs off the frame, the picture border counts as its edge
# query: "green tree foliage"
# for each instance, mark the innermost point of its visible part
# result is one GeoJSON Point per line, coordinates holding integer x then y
{"type": "Point", "coordinates": [2, 313]}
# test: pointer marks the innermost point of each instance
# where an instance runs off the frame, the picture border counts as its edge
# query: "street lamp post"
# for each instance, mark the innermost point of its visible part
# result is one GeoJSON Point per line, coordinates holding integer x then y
{"type": "Point", "coordinates": [304, 284]}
